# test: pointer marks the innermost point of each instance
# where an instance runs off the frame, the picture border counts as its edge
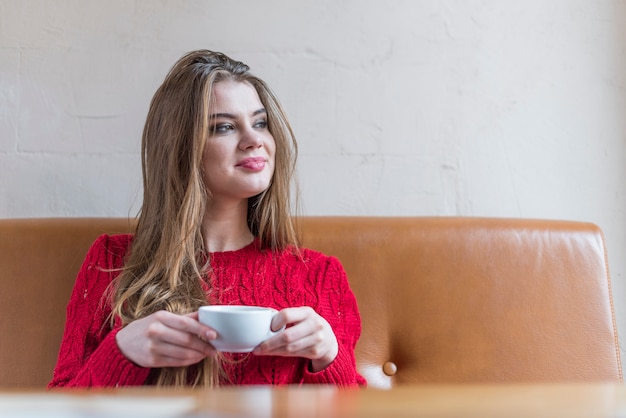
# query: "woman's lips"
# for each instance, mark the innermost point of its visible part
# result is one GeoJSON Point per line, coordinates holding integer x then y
{"type": "Point", "coordinates": [253, 163]}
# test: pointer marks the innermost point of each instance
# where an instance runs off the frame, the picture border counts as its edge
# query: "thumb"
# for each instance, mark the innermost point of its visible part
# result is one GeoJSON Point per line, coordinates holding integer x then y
{"type": "Point", "coordinates": [278, 322]}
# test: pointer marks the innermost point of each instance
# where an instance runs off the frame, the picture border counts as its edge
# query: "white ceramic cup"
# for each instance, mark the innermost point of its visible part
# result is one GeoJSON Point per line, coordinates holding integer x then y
{"type": "Point", "coordinates": [239, 328]}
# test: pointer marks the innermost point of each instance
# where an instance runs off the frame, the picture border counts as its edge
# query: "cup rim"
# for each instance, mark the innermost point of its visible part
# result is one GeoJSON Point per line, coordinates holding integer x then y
{"type": "Point", "coordinates": [235, 309]}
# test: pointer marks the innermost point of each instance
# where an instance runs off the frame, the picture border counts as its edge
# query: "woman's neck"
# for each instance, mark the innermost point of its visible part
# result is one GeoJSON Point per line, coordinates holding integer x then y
{"type": "Point", "coordinates": [225, 227]}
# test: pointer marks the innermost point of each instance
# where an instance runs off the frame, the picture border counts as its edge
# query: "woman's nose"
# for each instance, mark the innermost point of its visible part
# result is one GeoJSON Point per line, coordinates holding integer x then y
{"type": "Point", "coordinates": [250, 139]}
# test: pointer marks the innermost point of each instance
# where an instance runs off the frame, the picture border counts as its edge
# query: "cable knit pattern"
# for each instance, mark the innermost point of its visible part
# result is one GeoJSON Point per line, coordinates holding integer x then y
{"type": "Point", "coordinates": [89, 355]}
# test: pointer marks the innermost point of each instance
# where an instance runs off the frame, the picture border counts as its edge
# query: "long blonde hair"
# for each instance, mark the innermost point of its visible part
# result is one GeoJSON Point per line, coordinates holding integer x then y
{"type": "Point", "coordinates": [168, 259]}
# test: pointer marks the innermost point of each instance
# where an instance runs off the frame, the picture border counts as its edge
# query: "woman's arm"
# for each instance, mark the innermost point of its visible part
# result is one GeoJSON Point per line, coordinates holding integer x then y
{"type": "Point", "coordinates": [89, 355]}
{"type": "Point", "coordinates": [326, 335]}
{"type": "Point", "coordinates": [342, 313]}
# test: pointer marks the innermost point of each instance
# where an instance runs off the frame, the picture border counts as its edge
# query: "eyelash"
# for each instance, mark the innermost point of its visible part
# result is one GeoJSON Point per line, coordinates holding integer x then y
{"type": "Point", "coordinates": [222, 128]}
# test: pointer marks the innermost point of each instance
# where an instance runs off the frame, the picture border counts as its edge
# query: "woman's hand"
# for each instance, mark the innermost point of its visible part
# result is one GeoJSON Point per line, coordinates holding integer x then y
{"type": "Point", "coordinates": [164, 339]}
{"type": "Point", "coordinates": [308, 335]}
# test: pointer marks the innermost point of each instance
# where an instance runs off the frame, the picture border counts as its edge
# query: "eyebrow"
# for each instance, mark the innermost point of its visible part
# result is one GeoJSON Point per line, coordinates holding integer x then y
{"type": "Point", "coordinates": [233, 116]}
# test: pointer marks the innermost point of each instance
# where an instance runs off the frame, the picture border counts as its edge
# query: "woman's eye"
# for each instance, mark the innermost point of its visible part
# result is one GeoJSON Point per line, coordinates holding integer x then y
{"type": "Point", "coordinates": [222, 128]}
{"type": "Point", "coordinates": [262, 124]}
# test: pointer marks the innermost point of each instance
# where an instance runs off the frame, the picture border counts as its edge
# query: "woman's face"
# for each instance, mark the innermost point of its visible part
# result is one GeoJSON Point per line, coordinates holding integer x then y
{"type": "Point", "coordinates": [238, 159]}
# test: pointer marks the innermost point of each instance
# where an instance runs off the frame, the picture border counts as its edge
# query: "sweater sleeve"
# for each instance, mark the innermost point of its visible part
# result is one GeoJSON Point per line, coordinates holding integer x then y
{"type": "Point", "coordinates": [339, 308]}
{"type": "Point", "coordinates": [89, 355]}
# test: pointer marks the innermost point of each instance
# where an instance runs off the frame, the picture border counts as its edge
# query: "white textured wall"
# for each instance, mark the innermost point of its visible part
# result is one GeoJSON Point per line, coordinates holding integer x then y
{"type": "Point", "coordinates": [479, 108]}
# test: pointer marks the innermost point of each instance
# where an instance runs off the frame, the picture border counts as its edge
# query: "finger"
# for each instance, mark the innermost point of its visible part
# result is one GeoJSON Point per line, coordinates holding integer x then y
{"type": "Point", "coordinates": [307, 338]}
{"type": "Point", "coordinates": [187, 341]}
{"type": "Point", "coordinates": [186, 323]}
{"type": "Point", "coordinates": [172, 329]}
{"type": "Point", "coordinates": [193, 315]}
{"type": "Point", "coordinates": [169, 355]}
{"type": "Point", "coordinates": [289, 316]}
{"type": "Point", "coordinates": [311, 347]}
{"type": "Point", "coordinates": [279, 321]}
{"type": "Point", "coordinates": [165, 339]}
{"type": "Point", "coordinates": [209, 335]}
{"type": "Point", "coordinates": [289, 336]}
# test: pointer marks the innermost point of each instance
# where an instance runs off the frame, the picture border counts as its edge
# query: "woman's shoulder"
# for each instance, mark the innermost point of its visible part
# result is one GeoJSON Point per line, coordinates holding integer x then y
{"type": "Point", "coordinates": [312, 257]}
{"type": "Point", "coordinates": [308, 253]}
{"type": "Point", "coordinates": [115, 243]}
{"type": "Point", "coordinates": [110, 250]}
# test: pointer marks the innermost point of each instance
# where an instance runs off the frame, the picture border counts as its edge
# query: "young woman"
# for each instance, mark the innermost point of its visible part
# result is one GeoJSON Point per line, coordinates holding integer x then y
{"type": "Point", "coordinates": [218, 157]}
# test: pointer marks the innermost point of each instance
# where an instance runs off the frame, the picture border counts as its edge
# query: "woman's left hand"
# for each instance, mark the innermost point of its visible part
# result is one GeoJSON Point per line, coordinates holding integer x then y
{"type": "Point", "coordinates": [307, 335]}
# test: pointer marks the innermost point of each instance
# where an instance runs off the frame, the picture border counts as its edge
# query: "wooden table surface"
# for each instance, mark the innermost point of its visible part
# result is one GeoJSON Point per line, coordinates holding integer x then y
{"type": "Point", "coordinates": [545, 400]}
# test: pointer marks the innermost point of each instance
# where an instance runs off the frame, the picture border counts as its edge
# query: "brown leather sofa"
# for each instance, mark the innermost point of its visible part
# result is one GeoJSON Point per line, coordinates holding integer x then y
{"type": "Point", "coordinates": [444, 300]}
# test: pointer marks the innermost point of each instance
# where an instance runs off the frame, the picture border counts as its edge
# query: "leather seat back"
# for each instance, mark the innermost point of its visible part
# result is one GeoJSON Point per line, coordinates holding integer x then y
{"type": "Point", "coordinates": [470, 300]}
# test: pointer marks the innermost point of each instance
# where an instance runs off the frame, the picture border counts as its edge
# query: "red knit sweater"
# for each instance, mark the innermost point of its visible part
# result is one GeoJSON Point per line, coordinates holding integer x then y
{"type": "Point", "coordinates": [89, 355]}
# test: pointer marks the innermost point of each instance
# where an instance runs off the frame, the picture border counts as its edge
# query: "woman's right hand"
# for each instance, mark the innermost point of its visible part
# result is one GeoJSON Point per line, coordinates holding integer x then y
{"type": "Point", "coordinates": [165, 339]}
